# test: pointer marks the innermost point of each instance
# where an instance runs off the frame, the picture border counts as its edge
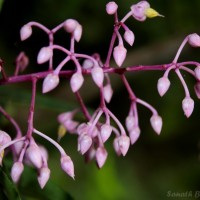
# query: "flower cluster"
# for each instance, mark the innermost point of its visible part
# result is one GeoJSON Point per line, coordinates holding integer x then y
{"type": "Point", "coordinates": [102, 123]}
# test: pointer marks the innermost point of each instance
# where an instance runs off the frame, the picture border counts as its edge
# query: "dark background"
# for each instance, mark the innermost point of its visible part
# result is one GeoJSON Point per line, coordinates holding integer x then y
{"type": "Point", "coordinates": [155, 167]}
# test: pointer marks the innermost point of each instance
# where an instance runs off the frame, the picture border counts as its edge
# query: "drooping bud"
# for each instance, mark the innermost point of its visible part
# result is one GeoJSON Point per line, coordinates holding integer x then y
{"type": "Point", "coordinates": [44, 55]}
{"type": "Point", "coordinates": [119, 54]}
{"type": "Point", "coordinates": [111, 8]}
{"type": "Point", "coordinates": [116, 146]}
{"type": "Point", "coordinates": [76, 81]}
{"type": "Point", "coordinates": [129, 37]}
{"type": "Point", "coordinates": [134, 134]}
{"type": "Point", "coordinates": [44, 152]}
{"type": "Point", "coordinates": [194, 40]}
{"type": "Point", "coordinates": [16, 171]}
{"type": "Point", "coordinates": [44, 174]}
{"type": "Point", "coordinates": [105, 132]}
{"type": "Point", "coordinates": [163, 85]}
{"type": "Point", "coordinates": [107, 92]}
{"type": "Point", "coordinates": [17, 147]}
{"type": "Point", "coordinates": [85, 143]}
{"type": "Point", "coordinates": [130, 122]}
{"type": "Point", "coordinates": [70, 25]}
{"type": "Point", "coordinates": [78, 32]}
{"type": "Point", "coordinates": [97, 75]}
{"type": "Point", "coordinates": [156, 123]}
{"type": "Point", "coordinates": [197, 72]}
{"type": "Point", "coordinates": [101, 156]}
{"type": "Point", "coordinates": [188, 106]}
{"type": "Point", "coordinates": [67, 165]}
{"type": "Point", "coordinates": [25, 32]}
{"type": "Point", "coordinates": [82, 128]}
{"type": "Point", "coordinates": [33, 154]}
{"type": "Point", "coordinates": [197, 89]}
{"type": "Point", "coordinates": [124, 143]}
{"type": "Point", "coordinates": [65, 116]}
{"type": "Point", "coordinates": [50, 82]}
{"type": "Point", "coordinates": [4, 138]}
{"type": "Point", "coordinates": [87, 64]}
{"type": "Point", "coordinates": [90, 154]}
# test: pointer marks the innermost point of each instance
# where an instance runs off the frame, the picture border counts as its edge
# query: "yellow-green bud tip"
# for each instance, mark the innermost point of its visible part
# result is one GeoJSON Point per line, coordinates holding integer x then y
{"type": "Point", "coordinates": [151, 13]}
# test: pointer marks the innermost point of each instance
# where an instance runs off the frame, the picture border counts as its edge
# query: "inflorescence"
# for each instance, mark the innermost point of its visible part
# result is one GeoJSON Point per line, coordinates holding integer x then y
{"type": "Point", "coordinates": [98, 127]}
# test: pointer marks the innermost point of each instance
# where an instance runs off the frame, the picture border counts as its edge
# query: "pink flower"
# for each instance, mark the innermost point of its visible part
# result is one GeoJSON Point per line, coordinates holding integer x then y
{"type": "Point", "coordinates": [50, 82]}
{"type": "Point", "coordinates": [16, 171]}
{"type": "Point", "coordinates": [129, 37]}
{"type": "Point", "coordinates": [44, 174]}
{"type": "Point", "coordinates": [107, 92]}
{"type": "Point", "coordinates": [197, 72]}
{"type": "Point", "coordinates": [25, 32]}
{"type": "Point", "coordinates": [70, 25]}
{"type": "Point", "coordinates": [78, 32]}
{"type": "Point", "coordinates": [134, 134]}
{"type": "Point", "coordinates": [101, 156]}
{"type": "Point", "coordinates": [44, 55]}
{"type": "Point", "coordinates": [105, 132]}
{"type": "Point", "coordinates": [156, 123]}
{"type": "Point", "coordinates": [97, 75]}
{"type": "Point", "coordinates": [67, 165]}
{"type": "Point", "coordinates": [124, 143]}
{"type": "Point", "coordinates": [76, 81]}
{"type": "Point", "coordinates": [163, 85]}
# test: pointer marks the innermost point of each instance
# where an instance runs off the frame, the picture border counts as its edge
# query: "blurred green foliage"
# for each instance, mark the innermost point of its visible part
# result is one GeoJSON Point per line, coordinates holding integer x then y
{"type": "Point", "coordinates": [154, 165]}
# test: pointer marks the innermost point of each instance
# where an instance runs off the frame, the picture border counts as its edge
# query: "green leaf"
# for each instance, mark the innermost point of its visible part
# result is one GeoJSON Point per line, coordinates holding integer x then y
{"type": "Point", "coordinates": [1, 3]}
{"type": "Point", "coordinates": [8, 189]}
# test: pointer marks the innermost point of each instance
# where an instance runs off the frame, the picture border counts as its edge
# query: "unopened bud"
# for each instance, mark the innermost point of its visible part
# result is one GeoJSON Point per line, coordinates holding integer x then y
{"type": "Point", "coordinates": [87, 64]}
{"type": "Point", "coordinates": [85, 143]}
{"type": "Point", "coordinates": [111, 8]}
{"type": "Point", "coordinates": [197, 72]}
{"type": "Point", "coordinates": [70, 25]}
{"type": "Point", "coordinates": [44, 55]}
{"type": "Point", "coordinates": [67, 165]}
{"type": "Point", "coordinates": [119, 54]}
{"type": "Point", "coordinates": [97, 75]}
{"type": "Point", "coordinates": [116, 146]}
{"type": "Point", "coordinates": [105, 132]}
{"type": "Point", "coordinates": [130, 122]}
{"type": "Point", "coordinates": [163, 85]}
{"type": "Point", "coordinates": [101, 156]}
{"type": "Point", "coordinates": [33, 154]}
{"type": "Point", "coordinates": [188, 106]}
{"type": "Point", "coordinates": [197, 89]}
{"type": "Point", "coordinates": [25, 32]}
{"type": "Point", "coordinates": [43, 177]}
{"type": "Point", "coordinates": [124, 143]}
{"type": "Point", "coordinates": [76, 81]}
{"type": "Point", "coordinates": [129, 37]}
{"type": "Point", "coordinates": [156, 123]}
{"type": "Point", "coordinates": [78, 32]}
{"type": "Point", "coordinates": [16, 171]}
{"type": "Point", "coordinates": [194, 40]}
{"type": "Point", "coordinates": [50, 82]}
{"type": "Point", "coordinates": [134, 134]}
{"type": "Point", "coordinates": [4, 138]}
{"type": "Point", "coordinates": [107, 92]}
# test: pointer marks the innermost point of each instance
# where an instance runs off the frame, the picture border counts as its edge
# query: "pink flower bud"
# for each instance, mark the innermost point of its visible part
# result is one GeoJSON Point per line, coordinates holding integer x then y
{"type": "Point", "coordinates": [138, 10]}
{"type": "Point", "coordinates": [124, 143]}
{"type": "Point", "coordinates": [90, 154]}
{"type": "Point", "coordinates": [78, 32]}
{"type": "Point", "coordinates": [82, 128]}
{"type": "Point", "coordinates": [129, 37]}
{"type": "Point", "coordinates": [44, 174]}
{"type": "Point", "coordinates": [107, 92]}
{"type": "Point", "coordinates": [163, 85]}
{"type": "Point", "coordinates": [188, 106]}
{"type": "Point", "coordinates": [97, 75]}
{"type": "Point", "coordinates": [130, 122]}
{"type": "Point", "coordinates": [70, 25]}
{"type": "Point", "coordinates": [134, 134]}
{"type": "Point", "coordinates": [65, 116]}
{"type": "Point", "coordinates": [119, 54]}
{"type": "Point", "coordinates": [197, 89]}
{"type": "Point", "coordinates": [85, 143]}
{"type": "Point", "coordinates": [16, 171]}
{"type": "Point", "coordinates": [101, 156]}
{"type": "Point", "coordinates": [76, 81]}
{"type": "Point", "coordinates": [105, 132]}
{"type": "Point", "coordinates": [33, 154]}
{"type": "Point", "coordinates": [197, 72]}
{"type": "Point", "coordinates": [156, 123]}
{"type": "Point", "coordinates": [22, 61]}
{"type": "Point", "coordinates": [44, 55]}
{"type": "Point", "coordinates": [87, 64]}
{"type": "Point", "coordinates": [111, 8]}
{"type": "Point", "coordinates": [70, 125]}
{"type": "Point", "coordinates": [116, 146]}
{"type": "Point", "coordinates": [44, 152]}
{"type": "Point", "coordinates": [50, 82]}
{"type": "Point", "coordinates": [194, 40]}
{"type": "Point", "coordinates": [4, 138]}
{"type": "Point", "coordinates": [25, 32]}
{"type": "Point", "coordinates": [17, 147]}
{"type": "Point", "coordinates": [67, 165]}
